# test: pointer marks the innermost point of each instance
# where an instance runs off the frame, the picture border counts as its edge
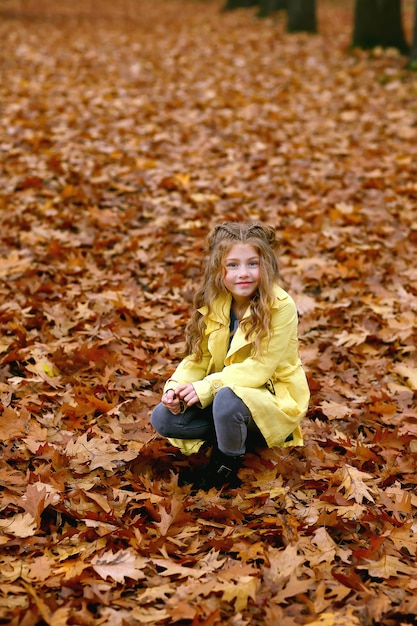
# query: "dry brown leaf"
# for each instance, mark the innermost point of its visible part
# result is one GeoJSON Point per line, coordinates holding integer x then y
{"type": "Point", "coordinates": [352, 481]}
{"type": "Point", "coordinates": [20, 525]}
{"type": "Point", "coordinates": [120, 565]}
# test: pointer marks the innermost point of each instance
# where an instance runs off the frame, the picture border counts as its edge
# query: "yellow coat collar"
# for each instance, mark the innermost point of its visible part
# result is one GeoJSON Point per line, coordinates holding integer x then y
{"type": "Point", "coordinates": [220, 309]}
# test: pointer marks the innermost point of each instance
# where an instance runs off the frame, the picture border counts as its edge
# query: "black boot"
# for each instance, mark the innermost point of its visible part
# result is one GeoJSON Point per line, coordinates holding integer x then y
{"type": "Point", "coordinates": [221, 470]}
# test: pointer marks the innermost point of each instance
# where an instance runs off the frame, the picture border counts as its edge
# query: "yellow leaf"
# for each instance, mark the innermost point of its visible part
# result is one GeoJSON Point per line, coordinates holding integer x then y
{"type": "Point", "coordinates": [42, 366]}
{"type": "Point", "coordinates": [240, 591]}
{"type": "Point", "coordinates": [334, 619]}
{"type": "Point", "coordinates": [50, 369]}
{"type": "Point", "coordinates": [273, 493]}
{"type": "Point", "coordinates": [183, 179]}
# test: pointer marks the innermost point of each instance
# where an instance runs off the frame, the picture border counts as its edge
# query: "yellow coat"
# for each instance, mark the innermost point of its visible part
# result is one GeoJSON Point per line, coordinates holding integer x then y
{"type": "Point", "coordinates": [274, 386]}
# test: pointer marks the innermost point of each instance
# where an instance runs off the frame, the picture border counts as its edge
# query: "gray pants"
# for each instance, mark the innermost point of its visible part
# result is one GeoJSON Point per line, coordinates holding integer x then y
{"type": "Point", "coordinates": [227, 423]}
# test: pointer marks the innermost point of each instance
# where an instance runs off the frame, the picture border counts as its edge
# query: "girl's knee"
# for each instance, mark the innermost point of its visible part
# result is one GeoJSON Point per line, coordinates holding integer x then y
{"type": "Point", "coordinates": [160, 420]}
{"type": "Point", "coordinates": [226, 401]}
{"type": "Point", "coordinates": [224, 396]}
{"type": "Point", "coordinates": [228, 408]}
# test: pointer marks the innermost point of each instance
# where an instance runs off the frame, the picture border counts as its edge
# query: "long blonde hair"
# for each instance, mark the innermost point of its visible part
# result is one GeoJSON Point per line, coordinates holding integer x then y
{"type": "Point", "coordinates": [219, 241]}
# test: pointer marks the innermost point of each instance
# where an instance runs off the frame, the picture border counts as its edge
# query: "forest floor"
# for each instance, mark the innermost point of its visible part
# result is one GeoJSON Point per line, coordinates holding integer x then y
{"type": "Point", "coordinates": [128, 130]}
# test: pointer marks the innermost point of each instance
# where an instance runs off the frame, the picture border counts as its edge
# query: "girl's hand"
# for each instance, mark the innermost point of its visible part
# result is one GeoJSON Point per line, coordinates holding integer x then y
{"type": "Point", "coordinates": [188, 394]}
{"type": "Point", "coordinates": [171, 402]}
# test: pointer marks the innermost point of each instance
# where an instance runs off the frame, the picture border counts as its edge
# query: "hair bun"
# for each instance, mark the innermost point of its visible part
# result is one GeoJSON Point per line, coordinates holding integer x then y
{"type": "Point", "coordinates": [241, 231]}
{"type": "Point", "coordinates": [263, 231]}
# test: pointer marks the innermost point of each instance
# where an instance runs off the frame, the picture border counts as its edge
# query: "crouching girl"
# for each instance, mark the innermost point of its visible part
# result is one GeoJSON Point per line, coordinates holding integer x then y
{"type": "Point", "coordinates": [242, 380]}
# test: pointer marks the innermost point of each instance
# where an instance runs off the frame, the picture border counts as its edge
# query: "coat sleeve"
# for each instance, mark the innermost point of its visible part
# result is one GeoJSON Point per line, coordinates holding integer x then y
{"type": "Point", "coordinates": [279, 358]}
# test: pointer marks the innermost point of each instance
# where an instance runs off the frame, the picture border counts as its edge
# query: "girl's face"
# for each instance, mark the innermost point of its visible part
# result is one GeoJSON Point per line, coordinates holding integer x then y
{"type": "Point", "coordinates": [241, 272]}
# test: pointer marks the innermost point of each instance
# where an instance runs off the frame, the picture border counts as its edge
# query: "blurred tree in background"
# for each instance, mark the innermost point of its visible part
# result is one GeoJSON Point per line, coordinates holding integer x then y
{"type": "Point", "coordinates": [379, 23]}
{"type": "Point", "coordinates": [412, 64]}
{"type": "Point", "coordinates": [375, 22]}
{"type": "Point", "coordinates": [301, 13]}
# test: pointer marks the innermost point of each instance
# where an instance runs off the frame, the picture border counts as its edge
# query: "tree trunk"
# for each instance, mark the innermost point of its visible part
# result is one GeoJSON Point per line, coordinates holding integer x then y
{"type": "Point", "coordinates": [412, 62]}
{"type": "Point", "coordinates": [269, 6]}
{"type": "Point", "coordinates": [302, 16]}
{"type": "Point", "coordinates": [378, 23]}
{"type": "Point", "coordinates": [239, 4]}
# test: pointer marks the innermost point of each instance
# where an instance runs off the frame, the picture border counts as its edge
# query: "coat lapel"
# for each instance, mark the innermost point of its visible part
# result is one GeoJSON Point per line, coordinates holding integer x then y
{"type": "Point", "coordinates": [220, 310]}
{"type": "Point", "coordinates": [218, 329]}
{"type": "Point", "coordinates": [239, 341]}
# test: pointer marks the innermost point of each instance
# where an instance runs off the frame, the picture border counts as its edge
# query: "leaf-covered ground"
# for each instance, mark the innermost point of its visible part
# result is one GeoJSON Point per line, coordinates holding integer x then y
{"type": "Point", "coordinates": [128, 129]}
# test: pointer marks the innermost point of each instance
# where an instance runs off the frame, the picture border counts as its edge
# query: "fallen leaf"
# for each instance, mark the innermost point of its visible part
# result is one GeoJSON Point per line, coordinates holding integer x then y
{"type": "Point", "coordinates": [20, 525]}
{"type": "Point", "coordinates": [388, 566]}
{"type": "Point", "coordinates": [353, 484]}
{"type": "Point", "coordinates": [120, 565]}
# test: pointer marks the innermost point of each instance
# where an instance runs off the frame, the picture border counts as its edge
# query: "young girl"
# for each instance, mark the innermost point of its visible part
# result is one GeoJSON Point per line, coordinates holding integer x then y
{"type": "Point", "coordinates": [242, 380]}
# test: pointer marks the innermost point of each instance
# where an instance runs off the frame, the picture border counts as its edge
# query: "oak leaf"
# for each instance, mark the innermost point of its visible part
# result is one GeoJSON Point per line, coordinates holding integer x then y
{"type": "Point", "coordinates": [388, 566]}
{"type": "Point", "coordinates": [283, 563]}
{"type": "Point", "coordinates": [12, 424]}
{"type": "Point", "coordinates": [349, 339]}
{"type": "Point", "coordinates": [170, 568]}
{"type": "Point", "coordinates": [239, 591]}
{"type": "Point", "coordinates": [120, 565]}
{"type": "Point", "coordinates": [408, 373]}
{"type": "Point", "coordinates": [327, 549]}
{"type": "Point", "coordinates": [61, 616]}
{"type": "Point", "coordinates": [167, 519]}
{"type": "Point", "coordinates": [181, 610]}
{"type": "Point", "coordinates": [292, 587]}
{"type": "Point", "coordinates": [20, 525]}
{"type": "Point", "coordinates": [87, 454]}
{"type": "Point", "coordinates": [37, 497]}
{"type": "Point", "coordinates": [148, 615]}
{"type": "Point", "coordinates": [40, 568]}
{"type": "Point", "coordinates": [347, 618]}
{"type": "Point", "coordinates": [159, 592]}
{"type": "Point", "coordinates": [404, 537]}
{"type": "Point", "coordinates": [335, 410]}
{"type": "Point", "coordinates": [353, 484]}
{"type": "Point", "coordinates": [15, 263]}
{"type": "Point", "coordinates": [305, 303]}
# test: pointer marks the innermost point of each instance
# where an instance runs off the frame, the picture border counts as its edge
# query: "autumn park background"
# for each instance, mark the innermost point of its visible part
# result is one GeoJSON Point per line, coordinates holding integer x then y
{"type": "Point", "coordinates": [128, 130]}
